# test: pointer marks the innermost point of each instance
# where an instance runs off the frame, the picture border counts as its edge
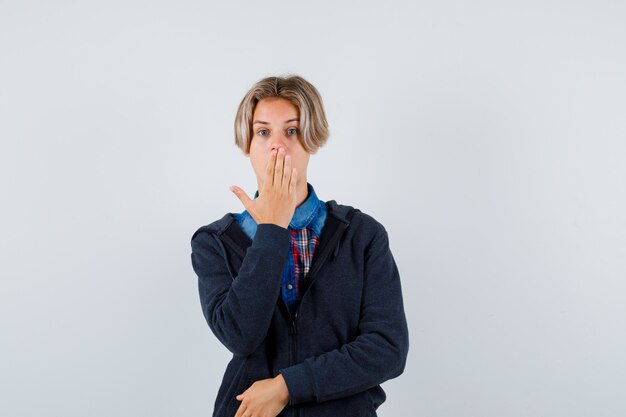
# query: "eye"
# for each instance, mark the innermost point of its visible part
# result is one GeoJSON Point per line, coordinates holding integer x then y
{"type": "Point", "coordinates": [262, 132]}
{"type": "Point", "coordinates": [292, 131]}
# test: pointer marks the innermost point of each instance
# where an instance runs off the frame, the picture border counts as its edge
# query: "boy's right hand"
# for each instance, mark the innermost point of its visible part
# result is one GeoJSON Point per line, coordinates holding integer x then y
{"type": "Point", "coordinates": [276, 202]}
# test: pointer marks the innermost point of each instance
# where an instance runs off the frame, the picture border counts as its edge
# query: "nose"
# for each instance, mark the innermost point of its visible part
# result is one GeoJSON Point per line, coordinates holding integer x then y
{"type": "Point", "coordinates": [279, 141]}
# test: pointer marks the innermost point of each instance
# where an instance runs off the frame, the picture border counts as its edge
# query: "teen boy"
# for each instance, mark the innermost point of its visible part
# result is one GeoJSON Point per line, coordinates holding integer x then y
{"type": "Point", "coordinates": [304, 293]}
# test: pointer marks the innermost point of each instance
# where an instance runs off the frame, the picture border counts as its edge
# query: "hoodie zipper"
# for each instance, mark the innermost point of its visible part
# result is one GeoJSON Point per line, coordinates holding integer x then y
{"type": "Point", "coordinates": [330, 248]}
{"type": "Point", "coordinates": [293, 328]}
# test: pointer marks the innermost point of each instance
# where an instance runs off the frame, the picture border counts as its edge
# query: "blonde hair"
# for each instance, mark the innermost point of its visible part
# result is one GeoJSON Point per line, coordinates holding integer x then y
{"type": "Point", "coordinates": [302, 94]}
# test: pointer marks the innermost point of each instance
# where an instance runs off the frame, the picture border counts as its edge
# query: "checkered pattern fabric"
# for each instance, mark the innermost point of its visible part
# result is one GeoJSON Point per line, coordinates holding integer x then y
{"type": "Point", "coordinates": [303, 245]}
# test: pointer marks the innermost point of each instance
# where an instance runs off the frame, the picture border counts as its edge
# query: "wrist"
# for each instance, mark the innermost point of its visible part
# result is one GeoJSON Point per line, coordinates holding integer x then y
{"type": "Point", "coordinates": [282, 386]}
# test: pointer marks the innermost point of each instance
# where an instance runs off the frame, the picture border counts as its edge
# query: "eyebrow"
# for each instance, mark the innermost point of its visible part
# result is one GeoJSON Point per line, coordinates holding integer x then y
{"type": "Point", "coordinates": [286, 121]}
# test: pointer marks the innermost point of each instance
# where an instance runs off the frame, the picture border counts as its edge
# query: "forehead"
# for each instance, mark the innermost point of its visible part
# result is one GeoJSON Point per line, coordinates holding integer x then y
{"type": "Point", "coordinates": [275, 108]}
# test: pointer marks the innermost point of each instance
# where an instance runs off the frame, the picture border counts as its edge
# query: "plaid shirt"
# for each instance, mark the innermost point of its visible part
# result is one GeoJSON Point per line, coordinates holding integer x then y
{"type": "Point", "coordinates": [306, 228]}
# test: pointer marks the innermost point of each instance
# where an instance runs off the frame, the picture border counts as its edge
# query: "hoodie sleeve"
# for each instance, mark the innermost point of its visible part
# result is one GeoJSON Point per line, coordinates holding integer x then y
{"type": "Point", "coordinates": [377, 354]}
{"type": "Point", "coordinates": [239, 309]}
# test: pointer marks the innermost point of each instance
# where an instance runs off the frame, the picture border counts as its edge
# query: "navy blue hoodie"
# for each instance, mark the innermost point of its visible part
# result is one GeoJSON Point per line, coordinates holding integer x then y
{"type": "Point", "coordinates": [348, 335]}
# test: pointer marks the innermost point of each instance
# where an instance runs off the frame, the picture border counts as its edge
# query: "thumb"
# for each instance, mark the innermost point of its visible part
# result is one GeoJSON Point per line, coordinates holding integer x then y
{"type": "Point", "coordinates": [241, 195]}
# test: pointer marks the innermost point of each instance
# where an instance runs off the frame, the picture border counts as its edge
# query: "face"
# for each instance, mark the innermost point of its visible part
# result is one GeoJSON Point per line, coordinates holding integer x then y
{"type": "Point", "coordinates": [275, 124]}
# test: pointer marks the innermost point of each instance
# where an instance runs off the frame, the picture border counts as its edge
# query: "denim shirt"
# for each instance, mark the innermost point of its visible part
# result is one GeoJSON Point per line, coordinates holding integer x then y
{"type": "Point", "coordinates": [311, 214]}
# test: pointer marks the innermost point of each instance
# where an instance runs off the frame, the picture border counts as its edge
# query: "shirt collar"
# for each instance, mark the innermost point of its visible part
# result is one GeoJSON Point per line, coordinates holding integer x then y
{"type": "Point", "coordinates": [306, 211]}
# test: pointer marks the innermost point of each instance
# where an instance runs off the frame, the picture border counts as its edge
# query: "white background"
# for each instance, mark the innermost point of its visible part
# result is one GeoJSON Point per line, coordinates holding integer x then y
{"type": "Point", "coordinates": [489, 137]}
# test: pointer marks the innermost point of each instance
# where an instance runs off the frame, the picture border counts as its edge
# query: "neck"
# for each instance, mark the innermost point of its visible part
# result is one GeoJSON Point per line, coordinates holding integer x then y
{"type": "Point", "coordinates": [302, 192]}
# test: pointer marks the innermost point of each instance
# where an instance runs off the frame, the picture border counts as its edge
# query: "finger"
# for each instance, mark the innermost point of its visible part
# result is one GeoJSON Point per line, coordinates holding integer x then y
{"type": "Point", "coordinates": [287, 172]}
{"type": "Point", "coordinates": [269, 170]}
{"type": "Point", "coordinates": [293, 182]}
{"type": "Point", "coordinates": [241, 195]}
{"type": "Point", "coordinates": [278, 170]}
{"type": "Point", "coordinates": [242, 395]}
{"type": "Point", "coordinates": [240, 410]}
